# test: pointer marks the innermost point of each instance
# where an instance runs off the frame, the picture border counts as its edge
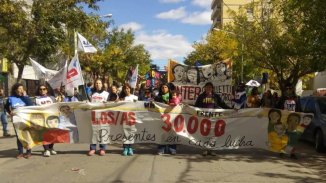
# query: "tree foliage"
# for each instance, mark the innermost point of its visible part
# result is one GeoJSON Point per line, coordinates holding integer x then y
{"type": "Point", "coordinates": [43, 29]}
{"type": "Point", "coordinates": [288, 39]}
{"type": "Point", "coordinates": [117, 56]}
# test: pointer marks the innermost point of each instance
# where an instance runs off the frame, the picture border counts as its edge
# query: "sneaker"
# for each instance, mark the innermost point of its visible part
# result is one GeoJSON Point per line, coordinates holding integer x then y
{"type": "Point", "coordinates": [212, 153]}
{"type": "Point", "coordinates": [281, 155]}
{"type": "Point", "coordinates": [20, 156]}
{"type": "Point", "coordinates": [125, 151]}
{"type": "Point", "coordinates": [102, 152]}
{"type": "Point", "coordinates": [53, 152]}
{"type": "Point", "coordinates": [91, 153]}
{"type": "Point", "coordinates": [130, 151]}
{"type": "Point", "coordinates": [27, 155]}
{"type": "Point", "coordinates": [47, 153]}
{"type": "Point", "coordinates": [205, 153]}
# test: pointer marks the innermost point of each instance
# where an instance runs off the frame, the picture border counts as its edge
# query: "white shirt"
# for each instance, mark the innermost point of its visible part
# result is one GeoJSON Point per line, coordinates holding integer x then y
{"type": "Point", "coordinates": [131, 98]}
{"type": "Point", "coordinates": [43, 100]}
{"type": "Point", "coordinates": [100, 97]}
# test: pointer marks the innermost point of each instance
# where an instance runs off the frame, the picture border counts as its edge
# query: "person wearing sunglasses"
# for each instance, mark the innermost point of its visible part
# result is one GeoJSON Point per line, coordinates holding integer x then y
{"type": "Point", "coordinates": [43, 98]}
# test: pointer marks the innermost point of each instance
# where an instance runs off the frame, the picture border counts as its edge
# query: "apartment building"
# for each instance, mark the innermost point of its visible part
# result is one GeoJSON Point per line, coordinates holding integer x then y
{"type": "Point", "coordinates": [221, 10]}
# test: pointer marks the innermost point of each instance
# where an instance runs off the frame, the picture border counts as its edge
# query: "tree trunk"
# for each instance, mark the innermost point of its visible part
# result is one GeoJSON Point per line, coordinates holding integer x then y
{"type": "Point", "coordinates": [20, 72]}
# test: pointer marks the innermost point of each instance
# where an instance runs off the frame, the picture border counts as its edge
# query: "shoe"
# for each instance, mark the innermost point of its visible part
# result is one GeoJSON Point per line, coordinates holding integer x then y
{"type": "Point", "coordinates": [102, 152]}
{"type": "Point", "coordinates": [20, 156]}
{"type": "Point", "coordinates": [212, 153]}
{"type": "Point", "coordinates": [53, 152]}
{"type": "Point", "coordinates": [173, 152]}
{"type": "Point", "coordinates": [281, 155]}
{"type": "Point", "coordinates": [91, 153]}
{"type": "Point", "coordinates": [28, 155]}
{"type": "Point", "coordinates": [125, 151]}
{"type": "Point", "coordinates": [293, 156]}
{"type": "Point", "coordinates": [6, 134]}
{"type": "Point", "coordinates": [130, 151]}
{"type": "Point", "coordinates": [205, 153]}
{"type": "Point", "coordinates": [47, 153]}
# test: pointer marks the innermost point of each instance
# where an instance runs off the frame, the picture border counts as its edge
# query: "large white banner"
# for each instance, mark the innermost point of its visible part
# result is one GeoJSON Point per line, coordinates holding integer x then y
{"type": "Point", "coordinates": [141, 122]}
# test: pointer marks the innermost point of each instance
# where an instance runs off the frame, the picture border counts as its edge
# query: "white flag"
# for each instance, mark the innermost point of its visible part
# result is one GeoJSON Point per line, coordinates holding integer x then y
{"type": "Point", "coordinates": [133, 79]}
{"type": "Point", "coordinates": [41, 71]}
{"type": "Point", "coordinates": [59, 79]}
{"type": "Point", "coordinates": [74, 76]}
{"type": "Point", "coordinates": [84, 45]}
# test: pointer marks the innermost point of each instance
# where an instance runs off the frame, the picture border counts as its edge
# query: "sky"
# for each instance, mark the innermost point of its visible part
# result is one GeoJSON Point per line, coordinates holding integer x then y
{"type": "Point", "coordinates": [167, 28]}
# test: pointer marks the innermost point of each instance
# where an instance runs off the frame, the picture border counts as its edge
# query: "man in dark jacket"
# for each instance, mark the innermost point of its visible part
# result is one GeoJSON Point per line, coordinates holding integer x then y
{"type": "Point", "coordinates": [210, 99]}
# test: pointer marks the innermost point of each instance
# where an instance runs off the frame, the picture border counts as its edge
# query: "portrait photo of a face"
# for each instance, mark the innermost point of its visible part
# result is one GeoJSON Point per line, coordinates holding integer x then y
{"type": "Point", "coordinates": [65, 110]}
{"type": "Point", "coordinates": [179, 73]}
{"type": "Point", "coordinates": [52, 122]}
{"type": "Point", "coordinates": [192, 76]}
{"type": "Point", "coordinates": [207, 72]}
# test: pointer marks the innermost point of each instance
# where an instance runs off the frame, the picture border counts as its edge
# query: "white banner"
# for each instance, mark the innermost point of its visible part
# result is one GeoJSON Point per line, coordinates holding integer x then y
{"type": "Point", "coordinates": [190, 80]}
{"type": "Point", "coordinates": [132, 122]}
{"type": "Point", "coordinates": [41, 71]}
{"type": "Point", "coordinates": [59, 79]}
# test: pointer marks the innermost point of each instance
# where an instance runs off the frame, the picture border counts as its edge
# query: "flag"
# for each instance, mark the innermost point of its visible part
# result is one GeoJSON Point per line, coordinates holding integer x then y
{"type": "Point", "coordinates": [42, 72]}
{"type": "Point", "coordinates": [74, 76]}
{"type": "Point", "coordinates": [59, 79]}
{"type": "Point", "coordinates": [133, 78]}
{"type": "Point", "coordinates": [84, 45]}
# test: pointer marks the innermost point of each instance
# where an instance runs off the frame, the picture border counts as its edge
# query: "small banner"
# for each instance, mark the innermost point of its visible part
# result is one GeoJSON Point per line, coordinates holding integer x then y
{"type": "Point", "coordinates": [190, 80]}
{"type": "Point", "coordinates": [143, 122]}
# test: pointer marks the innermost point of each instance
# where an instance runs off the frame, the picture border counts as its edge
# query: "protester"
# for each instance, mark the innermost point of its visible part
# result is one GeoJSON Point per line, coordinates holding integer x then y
{"type": "Point", "coordinates": [98, 95]}
{"type": "Point", "coordinates": [275, 99]}
{"type": "Point", "coordinates": [210, 99]}
{"type": "Point", "coordinates": [3, 115]}
{"type": "Point", "coordinates": [240, 97]}
{"type": "Point", "coordinates": [164, 97]}
{"type": "Point", "coordinates": [60, 94]}
{"type": "Point", "coordinates": [126, 95]}
{"type": "Point", "coordinates": [16, 100]}
{"type": "Point", "coordinates": [289, 101]}
{"type": "Point", "coordinates": [88, 89]}
{"type": "Point", "coordinates": [42, 98]}
{"type": "Point", "coordinates": [267, 100]}
{"type": "Point", "coordinates": [175, 98]}
{"type": "Point", "coordinates": [113, 94]}
{"type": "Point", "coordinates": [253, 100]}
{"type": "Point", "coordinates": [72, 98]}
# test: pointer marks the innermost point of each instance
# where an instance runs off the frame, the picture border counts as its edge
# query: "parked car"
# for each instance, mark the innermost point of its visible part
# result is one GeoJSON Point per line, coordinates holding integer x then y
{"type": "Point", "coordinates": [316, 131]}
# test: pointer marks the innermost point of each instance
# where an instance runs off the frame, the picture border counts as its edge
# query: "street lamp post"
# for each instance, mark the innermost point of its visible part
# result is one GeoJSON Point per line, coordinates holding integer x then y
{"type": "Point", "coordinates": [242, 47]}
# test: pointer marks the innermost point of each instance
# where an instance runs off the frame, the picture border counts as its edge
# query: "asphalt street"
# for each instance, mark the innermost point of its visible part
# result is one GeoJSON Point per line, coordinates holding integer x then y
{"type": "Point", "coordinates": [71, 164]}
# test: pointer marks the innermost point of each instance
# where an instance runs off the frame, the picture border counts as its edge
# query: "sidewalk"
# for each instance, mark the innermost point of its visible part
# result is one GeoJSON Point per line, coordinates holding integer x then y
{"type": "Point", "coordinates": [72, 165]}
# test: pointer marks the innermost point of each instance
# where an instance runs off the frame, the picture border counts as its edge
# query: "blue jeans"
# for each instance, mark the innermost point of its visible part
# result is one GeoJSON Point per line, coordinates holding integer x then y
{"type": "Point", "coordinates": [4, 122]}
{"type": "Point", "coordinates": [48, 147]}
{"type": "Point", "coordinates": [93, 146]}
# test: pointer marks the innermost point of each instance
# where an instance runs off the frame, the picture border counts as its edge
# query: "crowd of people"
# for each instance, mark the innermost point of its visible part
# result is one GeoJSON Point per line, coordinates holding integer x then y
{"type": "Point", "coordinates": [167, 93]}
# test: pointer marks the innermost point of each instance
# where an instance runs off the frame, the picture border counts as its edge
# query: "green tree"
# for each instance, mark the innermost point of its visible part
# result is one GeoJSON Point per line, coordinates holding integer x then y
{"type": "Point", "coordinates": [118, 55]}
{"type": "Point", "coordinates": [288, 38]}
{"type": "Point", "coordinates": [42, 30]}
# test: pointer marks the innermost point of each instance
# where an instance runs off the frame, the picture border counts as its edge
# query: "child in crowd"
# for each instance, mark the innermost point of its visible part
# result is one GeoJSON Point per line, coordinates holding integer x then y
{"type": "Point", "coordinates": [175, 98]}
